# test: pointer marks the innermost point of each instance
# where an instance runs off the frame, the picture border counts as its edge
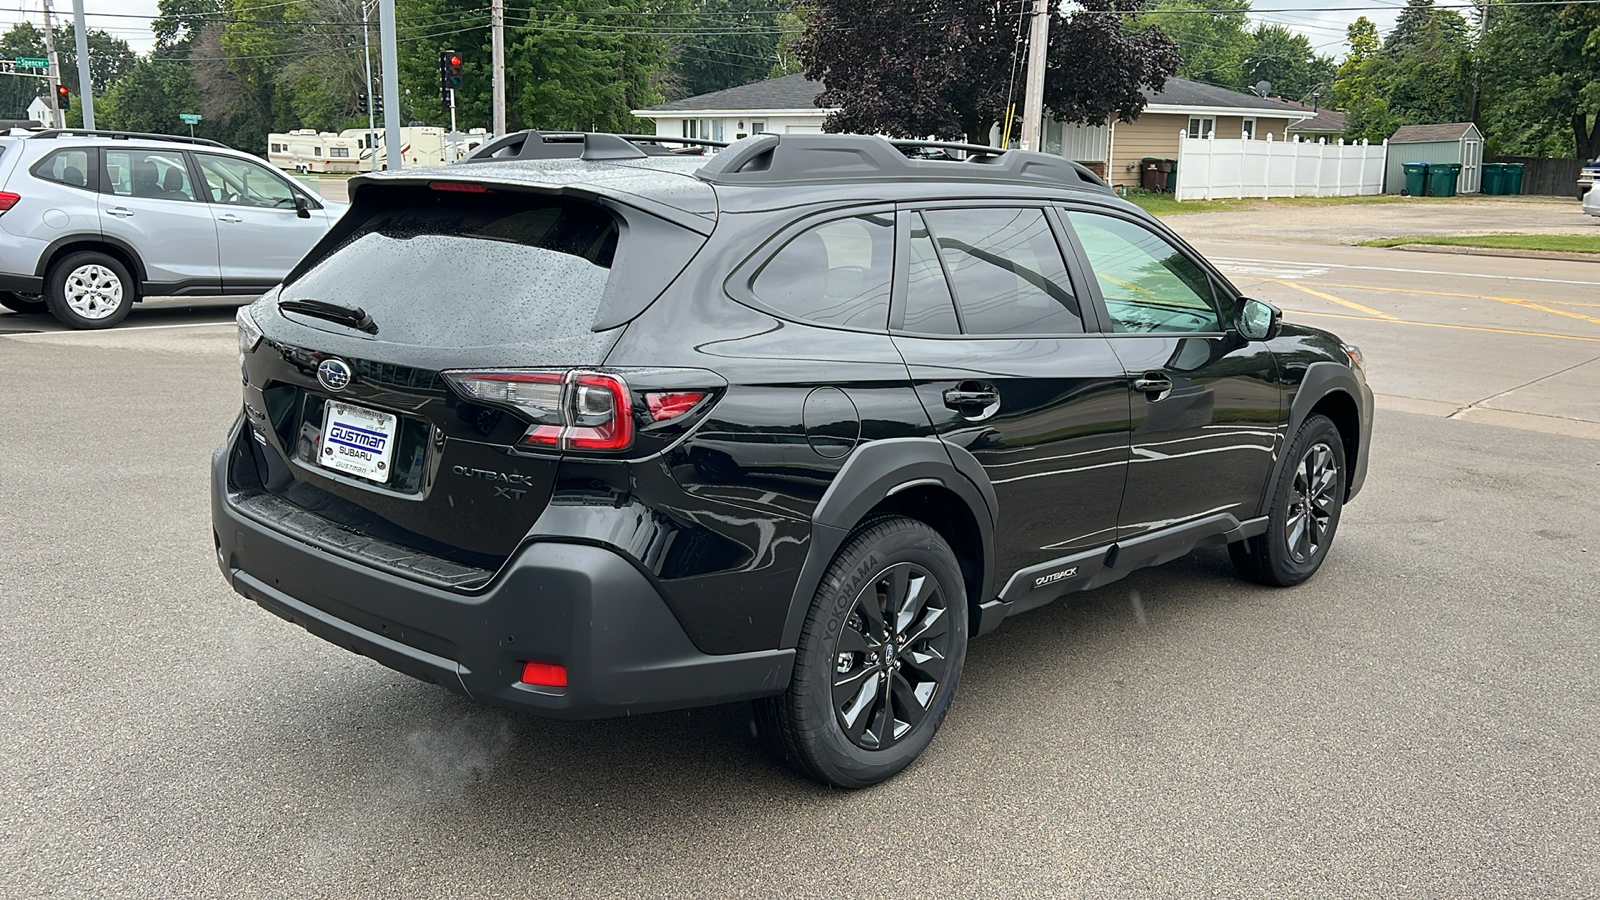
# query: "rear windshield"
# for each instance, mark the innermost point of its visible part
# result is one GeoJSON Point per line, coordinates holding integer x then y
{"type": "Point", "coordinates": [468, 270]}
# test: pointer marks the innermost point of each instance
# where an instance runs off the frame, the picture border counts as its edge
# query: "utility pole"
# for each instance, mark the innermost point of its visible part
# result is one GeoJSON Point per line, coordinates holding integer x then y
{"type": "Point", "coordinates": [1033, 87]}
{"type": "Point", "coordinates": [372, 112]}
{"type": "Point", "coordinates": [389, 54]}
{"type": "Point", "coordinates": [85, 82]}
{"type": "Point", "coordinates": [497, 30]}
{"type": "Point", "coordinates": [55, 67]}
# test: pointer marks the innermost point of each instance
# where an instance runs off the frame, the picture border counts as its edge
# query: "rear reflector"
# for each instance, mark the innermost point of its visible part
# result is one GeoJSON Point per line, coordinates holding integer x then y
{"type": "Point", "coordinates": [8, 200]}
{"type": "Point", "coordinates": [664, 406]}
{"type": "Point", "coordinates": [544, 674]}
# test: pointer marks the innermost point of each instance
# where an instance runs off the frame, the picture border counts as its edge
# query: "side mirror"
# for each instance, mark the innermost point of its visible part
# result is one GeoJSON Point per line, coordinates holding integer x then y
{"type": "Point", "coordinates": [1258, 320]}
{"type": "Point", "coordinates": [301, 207]}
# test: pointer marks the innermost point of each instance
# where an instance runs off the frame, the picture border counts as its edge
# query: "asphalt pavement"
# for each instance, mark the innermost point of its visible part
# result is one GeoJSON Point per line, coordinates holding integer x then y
{"type": "Point", "coordinates": [1419, 720]}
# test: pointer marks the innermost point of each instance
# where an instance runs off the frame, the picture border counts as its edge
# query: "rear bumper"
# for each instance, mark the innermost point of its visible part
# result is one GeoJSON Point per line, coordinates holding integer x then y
{"type": "Point", "coordinates": [581, 606]}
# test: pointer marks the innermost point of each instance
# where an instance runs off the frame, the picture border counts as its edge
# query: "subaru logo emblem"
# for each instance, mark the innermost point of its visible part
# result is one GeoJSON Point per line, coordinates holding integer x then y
{"type": "Point", "coordinates": [335, 374]}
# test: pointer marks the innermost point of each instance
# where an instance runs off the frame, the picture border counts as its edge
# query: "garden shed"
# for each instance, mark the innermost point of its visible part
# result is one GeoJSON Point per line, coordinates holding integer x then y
{"type": "Point", "coordinates": [1458, 142]}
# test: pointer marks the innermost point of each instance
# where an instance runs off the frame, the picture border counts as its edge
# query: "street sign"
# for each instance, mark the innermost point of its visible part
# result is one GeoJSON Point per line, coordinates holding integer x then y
{"type": "Point", "coordinates": [32, 62]}
{"type": "Point", "coordinates": [189, 118]}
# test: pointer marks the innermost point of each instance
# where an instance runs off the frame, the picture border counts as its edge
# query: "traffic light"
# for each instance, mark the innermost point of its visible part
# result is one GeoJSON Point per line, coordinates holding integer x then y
{"type": "Point", "coordinates": [449, 72]}
{"type": "Point", "coordinates": [361, 103]}
{"type": "Point", "coordinates": [63, 97]}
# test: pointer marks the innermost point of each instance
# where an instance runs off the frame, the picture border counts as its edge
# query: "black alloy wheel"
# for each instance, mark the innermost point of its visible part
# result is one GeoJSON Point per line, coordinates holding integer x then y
{"type": "Point", "coordinates": [893, 656]}
{"type": "Point", "coordinates": [878, 661]}
{"type": "Point", "coordinates": [1306, 503]}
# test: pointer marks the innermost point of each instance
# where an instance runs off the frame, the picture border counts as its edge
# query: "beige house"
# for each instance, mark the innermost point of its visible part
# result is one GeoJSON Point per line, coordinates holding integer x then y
{"type": "Point", "coordinates": [1114, 150]}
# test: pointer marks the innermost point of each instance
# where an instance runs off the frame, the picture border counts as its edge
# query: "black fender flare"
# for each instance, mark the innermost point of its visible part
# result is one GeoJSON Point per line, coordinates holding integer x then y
{"type": "Point", "coordinates": [874, 472]}
{"type": "Point", "coordinates": [49, 253]}
{"type": "Point", "coordinates": [1321, 379]}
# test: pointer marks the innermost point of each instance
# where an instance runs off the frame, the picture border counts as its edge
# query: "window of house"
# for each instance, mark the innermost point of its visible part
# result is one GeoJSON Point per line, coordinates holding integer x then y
{"type": "Point", "coordinates": [1248, 129]}
{"type": "Point", "coordinates": [757, 127]}
{"type": "Point", "coordinates": [1006, 271]}
{"type": "Point", "coordinates": [837, 273]}
{"type": "Point", "coordinates": [1201, 126]}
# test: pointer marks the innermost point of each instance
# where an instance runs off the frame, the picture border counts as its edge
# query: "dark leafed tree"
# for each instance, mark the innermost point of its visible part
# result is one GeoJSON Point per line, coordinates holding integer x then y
{"type": "Point", "coordinates": [952, 68]}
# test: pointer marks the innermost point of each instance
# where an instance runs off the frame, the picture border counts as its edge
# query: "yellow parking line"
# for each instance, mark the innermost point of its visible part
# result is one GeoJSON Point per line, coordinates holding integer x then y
{"type": "Point", "coordinates": [1339, 300]}
{"type": "Point", "coordinates": [1514, 301]}
{"type": "Point", "coordinates": [1394, 321]}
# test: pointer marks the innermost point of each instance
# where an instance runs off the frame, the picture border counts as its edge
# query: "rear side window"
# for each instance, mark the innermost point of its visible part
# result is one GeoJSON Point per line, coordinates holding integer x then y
{"type": "Point", "coordinates": [836, 273]}
{"type": "Point", "coordinates": [150, 174]}
{"type": "Point", "coordinates": [73, 168]}
{"type": "Point", "coordinates": [929, 307]}
{"type": "Point", "coordinates": [467, 270]}
{"type": "Point", "coordinates": [1006, 271]}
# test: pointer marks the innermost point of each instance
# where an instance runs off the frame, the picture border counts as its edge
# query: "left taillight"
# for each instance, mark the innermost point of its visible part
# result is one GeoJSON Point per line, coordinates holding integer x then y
{"type": "Point", "coordinates": [8, 200]}
{"type": "Point", "coordinates": [573, 409]}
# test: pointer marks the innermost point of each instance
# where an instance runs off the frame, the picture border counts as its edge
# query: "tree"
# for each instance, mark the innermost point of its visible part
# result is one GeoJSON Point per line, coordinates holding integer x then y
{"type": "Point", "coordinates": [1215, 45]}
{"type": "Point", "coordinates": [943, 68]}
{"type": "Point", "coordinates": [737, 44]}
{"type": "Point", "coordinates": [1541, 80]}
{"type": "Point", "coordinates": [112, 57]}
{"type": "Point", "coordinates": [1287, 60]}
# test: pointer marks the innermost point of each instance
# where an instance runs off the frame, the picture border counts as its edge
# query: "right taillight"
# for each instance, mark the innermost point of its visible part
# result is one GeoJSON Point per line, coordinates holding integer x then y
{"type": "Point", "coordinates": [8, 200]}
{"type": "Point", "coordinates": [569, 410]}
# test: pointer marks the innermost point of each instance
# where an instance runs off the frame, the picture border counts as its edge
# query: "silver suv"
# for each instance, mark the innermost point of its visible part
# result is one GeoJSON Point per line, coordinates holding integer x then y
{"type": "Point", "coordinates": [92, 221]}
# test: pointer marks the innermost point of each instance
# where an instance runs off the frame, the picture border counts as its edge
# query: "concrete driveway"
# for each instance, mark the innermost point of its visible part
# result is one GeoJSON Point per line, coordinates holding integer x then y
{"type": "Point", "coordinates": [1350, 223]}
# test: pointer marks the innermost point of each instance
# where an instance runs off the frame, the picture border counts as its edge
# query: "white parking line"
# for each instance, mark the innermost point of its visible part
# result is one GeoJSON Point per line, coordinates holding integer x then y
{"type": "Point", "coordinates": [1224, 263]}
{"type": "Point", "coordinates": [118, 330]}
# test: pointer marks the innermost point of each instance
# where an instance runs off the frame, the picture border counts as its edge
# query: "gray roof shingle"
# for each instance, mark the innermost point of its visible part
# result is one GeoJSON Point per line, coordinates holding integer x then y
{"type": "Point", "coordinates": [1416, 134]}
{"type": "Point", "coordinates": [796, 92]}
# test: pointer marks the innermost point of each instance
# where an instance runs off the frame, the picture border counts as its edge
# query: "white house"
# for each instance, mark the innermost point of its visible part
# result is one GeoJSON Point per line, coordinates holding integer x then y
{"type": "Point", "coordinates": [788, 105]}
{"type": "Point", "coordinates": [39, 111]}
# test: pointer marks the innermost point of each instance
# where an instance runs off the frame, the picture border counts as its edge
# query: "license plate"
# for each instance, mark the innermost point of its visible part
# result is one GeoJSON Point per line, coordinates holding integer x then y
{"type": "Point", "coordinates": [357, 441]}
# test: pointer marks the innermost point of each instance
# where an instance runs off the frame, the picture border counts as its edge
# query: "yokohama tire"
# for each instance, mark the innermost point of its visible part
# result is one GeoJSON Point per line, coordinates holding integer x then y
{"type": "Point", "coordinates": [870, 689]}
{"type": "Point", "coordinates": [89, 290]}
{"type": "Point", "coordinates": [1307, 502]}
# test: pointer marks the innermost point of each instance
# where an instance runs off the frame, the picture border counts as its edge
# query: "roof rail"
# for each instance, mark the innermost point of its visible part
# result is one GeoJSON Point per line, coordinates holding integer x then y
{"type": "Point", "coordinates": [121, 135]}
{"type": "Point", "coordinates": [532, 144]}
{"type": "Point", "coordinates": [828, 158]}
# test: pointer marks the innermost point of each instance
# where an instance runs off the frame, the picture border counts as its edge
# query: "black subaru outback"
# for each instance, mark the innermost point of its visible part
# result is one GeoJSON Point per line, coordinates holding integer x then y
{"type": "Point", "coordinates": [590, 428]}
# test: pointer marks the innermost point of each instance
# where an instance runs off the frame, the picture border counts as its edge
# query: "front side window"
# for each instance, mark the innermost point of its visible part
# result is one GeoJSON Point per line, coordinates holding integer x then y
{"type": "Point", "coordinates": [150, 174]}
{"type": "Point", "coordinates": [836, 273]}
{"type": "Point", "coordinates": [240, 182]}
{"type": "Point", "coordinates": [1148, 284]}
{"type": "Point", "coordinates": [1005, 270]}
{"type": "Point", "coordinates": [68, 167]}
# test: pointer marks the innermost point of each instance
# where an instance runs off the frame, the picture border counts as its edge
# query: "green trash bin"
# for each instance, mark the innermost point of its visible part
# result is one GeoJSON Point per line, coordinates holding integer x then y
{"type": "Point", "coordinates": [1442, 179]}
{"type": "Point", "coordinates": [1513, 178]}
{"type": "Point", "coordinates": [1416, 178]}
{"type": "Point", "coordinates": [1494, 178]}
{"type": "Point", "coordinates": [1171, 166]}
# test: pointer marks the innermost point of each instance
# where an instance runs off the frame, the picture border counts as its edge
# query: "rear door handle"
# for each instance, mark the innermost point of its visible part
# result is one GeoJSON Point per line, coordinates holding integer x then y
{"type": "Point", "coordinates": [121, 212]}
{"type": "Point", "coordinates": [1154, 385]}
{"type": "Point", "coordinates": [974, 400]}
{"type": "Point", "coordinates": [230, 217]}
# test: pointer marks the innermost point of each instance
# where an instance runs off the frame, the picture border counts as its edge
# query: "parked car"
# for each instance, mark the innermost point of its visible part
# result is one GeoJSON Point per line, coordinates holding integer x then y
{"type": "Point", "coordinates": [591, 429]}
{"type": "Point", "coordinates": [1591, 202]}
{"type": "Point", "coordinates": [93, 221]}
{"type": "Point", "coordinates": [1588, 176]}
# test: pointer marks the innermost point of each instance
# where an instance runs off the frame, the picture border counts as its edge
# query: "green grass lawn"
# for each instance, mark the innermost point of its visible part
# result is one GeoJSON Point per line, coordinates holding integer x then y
{"type": "Point", "coordinates": [1164, 205]}
{"type": "Point", "coordinates": [1567, 243]}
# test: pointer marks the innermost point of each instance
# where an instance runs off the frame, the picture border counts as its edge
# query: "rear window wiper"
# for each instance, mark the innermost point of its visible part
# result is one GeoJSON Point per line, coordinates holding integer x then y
{"type": "Point", "coordinates": [353, 316]}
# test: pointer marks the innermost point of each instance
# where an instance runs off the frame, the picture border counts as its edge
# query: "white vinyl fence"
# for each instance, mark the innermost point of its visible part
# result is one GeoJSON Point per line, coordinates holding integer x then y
{"type": "Point", "coordinates": [1209, 168]}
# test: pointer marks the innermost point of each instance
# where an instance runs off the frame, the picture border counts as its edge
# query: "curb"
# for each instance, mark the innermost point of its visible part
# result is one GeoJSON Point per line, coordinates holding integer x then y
{"type": "Point", "coordinates": [1499, 251]}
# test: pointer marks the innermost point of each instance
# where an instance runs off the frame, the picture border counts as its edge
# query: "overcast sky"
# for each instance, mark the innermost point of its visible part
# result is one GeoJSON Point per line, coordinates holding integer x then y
{"type": "Point", "coordinates": [1325, 29]}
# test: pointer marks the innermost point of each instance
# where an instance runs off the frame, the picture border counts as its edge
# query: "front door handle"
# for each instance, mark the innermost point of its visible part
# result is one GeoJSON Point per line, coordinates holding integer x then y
{"type": "Point", "coordinates": [1153, 385]}
{"type": "Point", "coordinates": [121, 212]}
{"type": "Point", "coordinates": [230, 217]}
{"type": "Point", "coordinates": [974, 400]}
